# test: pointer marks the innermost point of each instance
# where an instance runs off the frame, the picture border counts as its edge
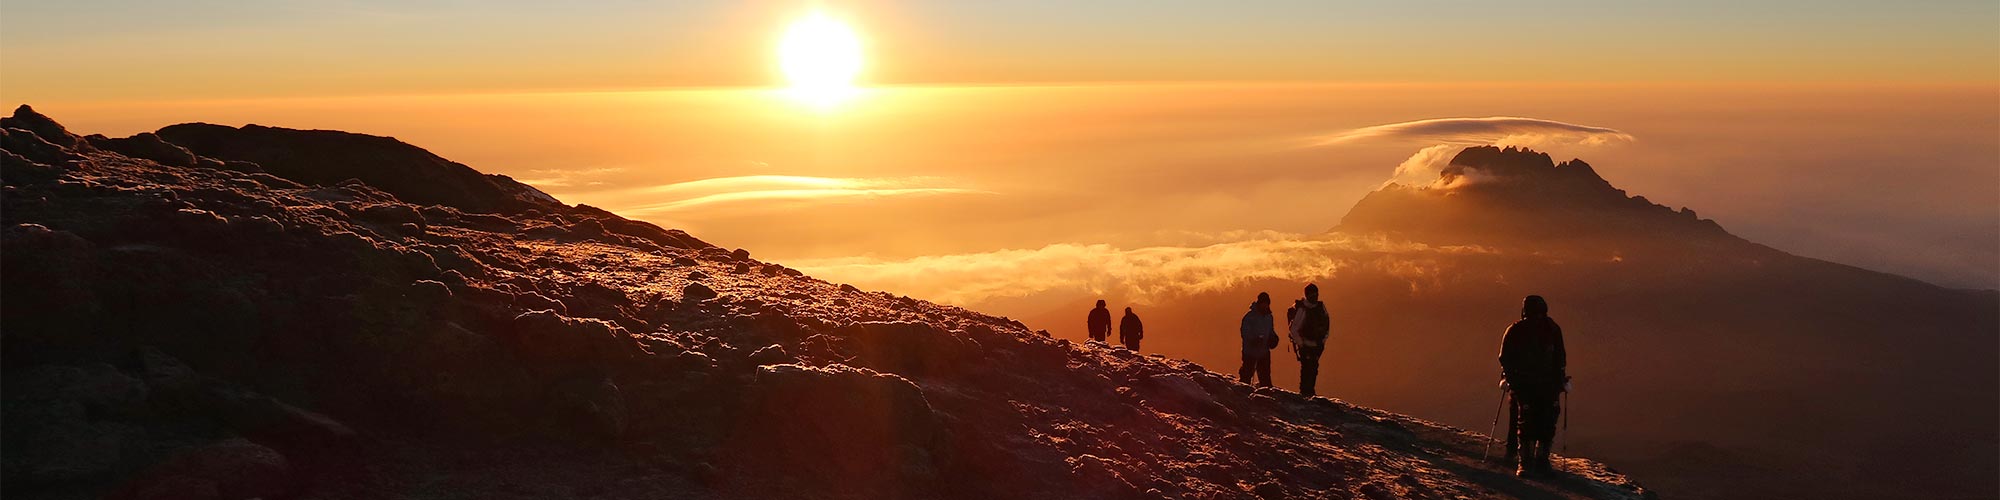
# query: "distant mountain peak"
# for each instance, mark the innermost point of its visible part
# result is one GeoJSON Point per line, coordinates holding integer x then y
{"type": "Point", "coordinates": [1519, 197]}
{"type": "Point", "coordinates": [1521, 166]}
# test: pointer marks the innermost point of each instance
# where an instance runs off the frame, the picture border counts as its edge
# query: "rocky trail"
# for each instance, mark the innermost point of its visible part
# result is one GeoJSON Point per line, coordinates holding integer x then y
{"type": "Point", "coordinates": [213, 312]}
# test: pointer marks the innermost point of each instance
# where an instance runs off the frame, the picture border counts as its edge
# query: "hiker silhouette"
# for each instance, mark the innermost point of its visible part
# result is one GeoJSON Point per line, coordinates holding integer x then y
{"type": "Point", "coordinates": [1309, 324]}
{"type": "Point", "coordinates": [1260, 334]}
{"type": "Point", "coordinates": [1130, 330]}
{"type": "Point", "coordinates": [1534, 364]}
{"type": "Point", "coordinates": [1099, 324]}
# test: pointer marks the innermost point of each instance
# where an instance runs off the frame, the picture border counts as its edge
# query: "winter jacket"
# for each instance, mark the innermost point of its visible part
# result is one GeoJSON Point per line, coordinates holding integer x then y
{"type": "Point", "coordinates": [1257, 330]}
{"type": "Point", "coordinates": [1129, 328]}
{"type": "Point", "coordinates": [1312, 323]}
{"type": "Point", "coordinates": [1099, 325]}
{"type": "Point", "coordinates": [1532, 356]}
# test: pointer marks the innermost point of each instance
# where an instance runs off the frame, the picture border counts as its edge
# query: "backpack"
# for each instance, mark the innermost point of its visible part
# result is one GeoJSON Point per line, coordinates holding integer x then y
{"type": "Point", "coordinates": [1293, 322]}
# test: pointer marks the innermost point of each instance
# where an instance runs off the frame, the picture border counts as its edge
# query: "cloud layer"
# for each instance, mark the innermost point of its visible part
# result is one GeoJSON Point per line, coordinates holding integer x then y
{"type": "Point", "coordinates": [1145, 275]}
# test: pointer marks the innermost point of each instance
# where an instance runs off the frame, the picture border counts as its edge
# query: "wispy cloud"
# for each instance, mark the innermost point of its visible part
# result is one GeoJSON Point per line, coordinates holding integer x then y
{"type": "Point", "coordinates": [1146, 275]}
{"type": "Point", "coordinates": [547, 178]}
{"type": "Point", "coordinates": [719, 192]}
{"type": "Point", "coordinates": [1496, 130]}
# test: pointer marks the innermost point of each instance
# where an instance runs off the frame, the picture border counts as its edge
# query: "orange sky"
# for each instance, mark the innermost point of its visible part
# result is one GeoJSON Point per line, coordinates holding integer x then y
{"type": "Point", "coordinates": [105, 49]}
{"type": "Point", "coordinates": [1863, 132]}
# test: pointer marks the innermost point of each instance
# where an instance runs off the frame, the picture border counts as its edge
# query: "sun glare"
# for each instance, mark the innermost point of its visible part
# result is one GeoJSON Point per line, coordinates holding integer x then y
{"type": "Point", "coordinates": [820, 56]}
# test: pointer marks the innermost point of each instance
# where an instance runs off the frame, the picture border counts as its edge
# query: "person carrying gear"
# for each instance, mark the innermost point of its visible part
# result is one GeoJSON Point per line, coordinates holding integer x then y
{"type": "Point", "coordinates": [1310, 324]}
{"type": "Point", "coordinates": [1260, 334]}
{"type": "Point", "coordinates": [1099, 324]}
{"type": "Point", "coordinates": [1130, 330]}
{"type": "Point", "coordinates": [1535, 367]}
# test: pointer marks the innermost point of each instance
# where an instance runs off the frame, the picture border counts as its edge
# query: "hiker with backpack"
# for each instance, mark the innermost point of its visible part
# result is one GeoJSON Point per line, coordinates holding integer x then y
{"type": "Point", "coordinates": [1260, 335]}
{"type": "Point", "coordinates": [1535, 368]}
{"type": "Point", "coordinates": [1130, 330]}
{"type": "Point", "coordinates": [1098, 326]}
{"type": "Point", "coordinates": [1309, 324]}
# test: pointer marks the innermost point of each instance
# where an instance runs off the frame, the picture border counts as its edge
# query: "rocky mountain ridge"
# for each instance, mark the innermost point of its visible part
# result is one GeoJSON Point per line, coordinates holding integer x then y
{"type": "Point", "coordinates": [210, 312]}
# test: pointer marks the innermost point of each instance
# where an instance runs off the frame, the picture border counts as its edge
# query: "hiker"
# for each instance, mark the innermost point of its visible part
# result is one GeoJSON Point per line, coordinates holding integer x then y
{"type": "Point", "coordinates": [1260, 334]}
{"type": "Point", "coordinates": [1130, 330]}
{"type": "Point", "coordinates": [1309, 326]}
{"type": "Point", "coordinates": [1535, 366]}
{"type": "Point", "coordinates": [1099, 325]}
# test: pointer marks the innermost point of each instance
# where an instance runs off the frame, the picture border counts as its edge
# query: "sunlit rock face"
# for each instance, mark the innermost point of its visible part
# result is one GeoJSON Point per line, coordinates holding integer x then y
{"type": "Point", "coordinates": [291, 323]}
{"type": "Point", "coordinates": [1515, 197]}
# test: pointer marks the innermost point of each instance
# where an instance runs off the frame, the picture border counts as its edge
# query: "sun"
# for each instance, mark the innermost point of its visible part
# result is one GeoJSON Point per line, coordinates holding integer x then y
{"type": "Point", "coordinates": [821, 57]}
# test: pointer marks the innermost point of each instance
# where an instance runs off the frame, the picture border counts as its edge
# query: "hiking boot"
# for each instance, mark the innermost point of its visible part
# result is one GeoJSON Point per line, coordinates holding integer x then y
{"type": "Point", "coordinates": [1525, 467]}
{"type": "Point", "coordinates": [1526, 471]}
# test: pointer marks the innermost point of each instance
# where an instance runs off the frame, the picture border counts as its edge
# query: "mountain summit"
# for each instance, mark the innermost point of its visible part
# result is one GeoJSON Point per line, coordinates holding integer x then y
{"type": "Point", "coordinates": [225, 313]}
{"type": "Point", "coordinates": [1518, 197]}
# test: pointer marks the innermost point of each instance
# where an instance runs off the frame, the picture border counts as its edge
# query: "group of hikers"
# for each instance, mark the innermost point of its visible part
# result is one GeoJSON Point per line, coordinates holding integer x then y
{"type": "Point", "coordinates": [1130, 329]}
{"type": "Point", "coordinates": [1533, 364]}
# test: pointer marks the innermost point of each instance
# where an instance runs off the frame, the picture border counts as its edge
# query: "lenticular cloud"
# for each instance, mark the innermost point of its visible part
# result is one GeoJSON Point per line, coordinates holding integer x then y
{"type": "Point", "coordinates": [1448, 136]}
{"type": "Point", "coordinates": [1495, 130]}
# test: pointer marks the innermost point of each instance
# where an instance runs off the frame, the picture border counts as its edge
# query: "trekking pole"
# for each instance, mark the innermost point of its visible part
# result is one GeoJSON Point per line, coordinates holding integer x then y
{"type": "Point", "coordinates": [1566, 409]}
{"type": "Point", "coordinates": [1486, 452]}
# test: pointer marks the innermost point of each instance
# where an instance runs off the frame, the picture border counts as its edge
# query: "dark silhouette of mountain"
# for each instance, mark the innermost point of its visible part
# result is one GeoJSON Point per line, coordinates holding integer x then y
{"type": "Point", "coordinates": [1712, 366]}
{"type": "Point", "coordinates": [1521, 198]}
{"type": "Point", "coordinates": [267, 316]}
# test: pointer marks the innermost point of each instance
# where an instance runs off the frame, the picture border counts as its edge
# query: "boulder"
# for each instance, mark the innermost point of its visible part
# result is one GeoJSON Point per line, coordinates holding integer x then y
{"type": "Point", "coordinates": [915, 349]}
{"type": "Point", "coordinates": [146, 146]}
{"type": "Point", "coordinates": [880, 426]}
{"type": "Point", "coordinates": [33, 147]}
{"type": "Point", "coordinates": [590, 406]}
{"type": "Point", "coordinates": [1178, 393]}
{"type": "Point", "coordinates": [770, 355]}
{"type": "Point", "coordinates": [99, 387]}
{"type": "Point", "coordinates": [535, 301]}
{"type": "Point", "coordinates": [429, 292]}
{"type": "Point", "coordinates": [231, 469]}
{"type": "Point", "coordinates": [27, 119]}
{"type": "Point", "coordinates": [62, 422]}
{"type": "Point", "coordinates": [549, 338]}
{"type": "Point", "coordinates": [696, 292]}
{"type": "Point", "coordinates": [266, 419]}
{"type": "Point", "coordinates": [1097, 477]}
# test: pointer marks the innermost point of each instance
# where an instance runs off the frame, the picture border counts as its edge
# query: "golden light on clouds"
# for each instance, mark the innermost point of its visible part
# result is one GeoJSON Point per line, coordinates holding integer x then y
{"type": "Point", "coordinates": [821, 57]}
{"type": "Point", "coordinates": [768, 192]}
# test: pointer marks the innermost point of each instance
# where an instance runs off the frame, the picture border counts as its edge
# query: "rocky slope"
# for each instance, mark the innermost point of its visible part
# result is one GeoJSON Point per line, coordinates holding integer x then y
{"type": "Point", "coordinates": [211, 312]}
